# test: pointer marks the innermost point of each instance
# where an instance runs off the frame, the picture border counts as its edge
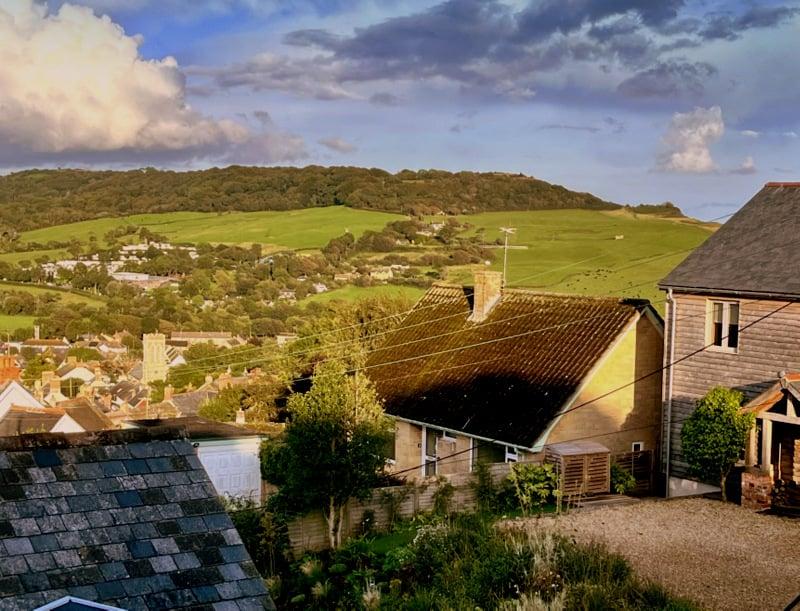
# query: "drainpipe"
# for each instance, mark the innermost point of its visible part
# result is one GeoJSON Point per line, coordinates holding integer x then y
{"type": "Point", "coordinates": [670, 361]}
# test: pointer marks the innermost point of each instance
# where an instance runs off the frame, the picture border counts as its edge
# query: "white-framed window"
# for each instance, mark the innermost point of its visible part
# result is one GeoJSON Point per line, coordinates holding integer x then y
{"type": "Point", "coordinates": [447, 437]}
{"type": "Point", "coordinates": [511, 454]}
{"type": "Point", "coordinates": [637, 446]}
{"type": "Point", "coordinates": [723, 325]}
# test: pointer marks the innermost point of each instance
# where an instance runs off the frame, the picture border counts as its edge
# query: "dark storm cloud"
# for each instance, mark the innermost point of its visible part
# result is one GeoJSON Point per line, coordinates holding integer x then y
{"type": "Point", "coordinates": [668, 79]}
{"type": "Point", "coordinates": [488, 48]}
{"type": "Point", "coordinates": [730, 27]}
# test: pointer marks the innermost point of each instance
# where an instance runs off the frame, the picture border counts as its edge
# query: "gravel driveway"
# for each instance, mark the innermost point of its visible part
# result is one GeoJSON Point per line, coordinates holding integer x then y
{"type": "Point", "coordinates": [717, 554]}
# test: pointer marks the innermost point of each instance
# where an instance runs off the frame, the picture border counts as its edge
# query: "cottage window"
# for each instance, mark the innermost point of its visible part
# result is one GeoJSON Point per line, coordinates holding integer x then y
{"type": "Point", "coordinates": [511, 454]}
{"type": "Point", "coordinates": [724, 325]}
{"type": "Point", "coordinates": [389, 450]}
{"type": "Point", "coordinates": [637, 446]}
{"type": "Point", "coordinates": [431, 437]}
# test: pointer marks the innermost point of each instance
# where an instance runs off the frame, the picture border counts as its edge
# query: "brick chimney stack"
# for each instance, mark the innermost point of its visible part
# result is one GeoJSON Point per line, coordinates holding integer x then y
{"type": "Point", "coordinates": [488, 287]}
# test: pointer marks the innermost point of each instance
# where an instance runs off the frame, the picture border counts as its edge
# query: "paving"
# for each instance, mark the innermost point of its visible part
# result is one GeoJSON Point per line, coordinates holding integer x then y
{"type": "Point", "coordinates": [717, 554]}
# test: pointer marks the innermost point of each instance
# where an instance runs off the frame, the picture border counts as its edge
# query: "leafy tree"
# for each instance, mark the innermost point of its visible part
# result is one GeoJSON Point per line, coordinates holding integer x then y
{"type": "Point", "coordinates": [34, 368]}
{"type": "Point", "coordinates": [84, 354]}
{"type": "Point", "coordinates": [333, 449]}
{"type": "Point", "coordinates": [715, 434]}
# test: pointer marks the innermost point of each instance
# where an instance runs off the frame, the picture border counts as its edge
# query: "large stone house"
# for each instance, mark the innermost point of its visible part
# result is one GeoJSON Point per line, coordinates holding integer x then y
{"type": "Point", "coordinates": [733, 319]}
{"type": "Point", "coordinates": [499, 374]}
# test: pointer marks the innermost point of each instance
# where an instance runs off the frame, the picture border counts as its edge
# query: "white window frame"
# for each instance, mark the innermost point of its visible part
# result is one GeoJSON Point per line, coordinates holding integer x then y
{"type": "Point", "coordinates": [446, 437]}
{"type": "Point", "coordinates": [512, 455]}
{"type": "Point", "coordinates": [637, 443]}
{"type": "Point", "coordinates": [726, 317]}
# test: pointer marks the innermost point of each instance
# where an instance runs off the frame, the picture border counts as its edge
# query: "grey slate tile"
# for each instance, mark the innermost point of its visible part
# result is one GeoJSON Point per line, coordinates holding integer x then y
{"type": "Point", "coordinates": [17, 546]}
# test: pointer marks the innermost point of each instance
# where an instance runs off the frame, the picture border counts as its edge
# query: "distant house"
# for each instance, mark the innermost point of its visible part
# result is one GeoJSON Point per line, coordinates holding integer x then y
{"type": "Point", "coordinates": [56, 346]}
{"type": "Point", "coordinates": [286, 338]}
{"type": "Point", "coordinates": [81, 415]}
{"type": "Point", "coordinates": [12, 393]}
{"type": "Point", "coordinates": [126, 519]}
{"type": "Point", "coordinates": [319, 287]}
{"type": "Point", "coordinates": [9, 368]}
{"type": "Point", "coordinates": [287, 295]}
{"type": "Point", "coordinates": [221, 339]}
{"type": "Point", "coordinates": [733, 319]}
{"type": "Point", "coordinates": [143, 281]}
{"type": "Point", "coordinates": [493, 374]}
{"type": "Point", "coordinates": [381, 273]}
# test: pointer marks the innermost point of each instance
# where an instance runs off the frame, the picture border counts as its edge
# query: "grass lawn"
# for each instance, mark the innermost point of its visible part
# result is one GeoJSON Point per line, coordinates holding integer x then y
{"type": "Point", "coordinates": [32, 255]}
{"type": "Point", "coordinates": [574, 251]}
{"type": "Point", "coordinates": [296, 229]}
{"type": "Point", "coordinates": [10, 323]}
{"type": "Point", "coordinates": [351, 293]}
{"type": "Point", "coordinates": [66, 296]}
{"type": "Point", "coordinates": [402, 535]}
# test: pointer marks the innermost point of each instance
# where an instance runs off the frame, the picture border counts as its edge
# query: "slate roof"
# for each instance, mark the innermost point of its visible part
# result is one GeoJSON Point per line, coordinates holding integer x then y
{"type": "Point", "coordinates": [188, 403]}
{"type": "Point", "coordinates": [504, 378]}
{"type": "Point", "coordinates": [128, 518]}
{"type": "Point", "coordinates": [88, 415]}
{"type": "Point", "coordinates": [754, 253]}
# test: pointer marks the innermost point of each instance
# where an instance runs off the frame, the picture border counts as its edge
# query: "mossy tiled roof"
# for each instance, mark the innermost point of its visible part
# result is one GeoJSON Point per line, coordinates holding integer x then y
{"type": "Point", "coordinates": [504, 378]}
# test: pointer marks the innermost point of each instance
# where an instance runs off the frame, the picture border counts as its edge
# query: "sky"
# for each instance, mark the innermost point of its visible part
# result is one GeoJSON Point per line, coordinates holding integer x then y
{"type": "Point", "coordinates": [636, 101]}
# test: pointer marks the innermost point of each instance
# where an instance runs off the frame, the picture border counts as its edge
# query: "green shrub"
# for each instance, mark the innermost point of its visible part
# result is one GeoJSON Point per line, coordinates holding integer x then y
{"type": "Point", "coordinates": [622, 481]}
{"type": "Point", "coordinates": [443, 497]}
{"type": "Point", "coordinates": [534, 485]}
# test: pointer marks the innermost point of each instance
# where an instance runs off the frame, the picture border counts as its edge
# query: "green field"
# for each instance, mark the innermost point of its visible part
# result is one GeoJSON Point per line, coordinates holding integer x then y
{"type": "Point", "coordinates": [574, 251]}
{"type": "Point", "coordinates": [295, 229]}
{"type": "Point", "coordinates": [352, 293]}
{"type": "Point", "coordinates": [10, 323]}
{"type": "Point", "coordinates": [32, 255]}
{"type": "Point", "coordinates": [66, 296]}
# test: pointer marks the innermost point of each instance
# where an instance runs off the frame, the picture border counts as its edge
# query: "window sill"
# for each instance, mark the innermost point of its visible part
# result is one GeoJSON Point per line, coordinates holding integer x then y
{"type": "Point", "coordinates": [723, 349]}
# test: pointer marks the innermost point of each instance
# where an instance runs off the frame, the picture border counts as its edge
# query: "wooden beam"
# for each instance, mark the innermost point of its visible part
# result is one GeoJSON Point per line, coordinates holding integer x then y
{"type": "Point", "coordinates": [766, 446]}
{"type": "Point", "coordinates": [770, 416]}
{"type": "Point", "coordinates": [751, 454]}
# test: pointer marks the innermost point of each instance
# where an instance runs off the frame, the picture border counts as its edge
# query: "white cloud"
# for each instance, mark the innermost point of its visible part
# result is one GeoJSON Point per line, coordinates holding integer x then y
{"type": "Point", "coordinates": [338, 144]}
{"type": "Point", "coordinates": [688, 138]}
{"type": "Point", "coordinates": [74, 87]}
{"type": "Point", "coordinates": [748, 166]}
{"type": "Point", "coordinates": [750, 133]}
{"type": "Point", "coordinates": [790, 134]}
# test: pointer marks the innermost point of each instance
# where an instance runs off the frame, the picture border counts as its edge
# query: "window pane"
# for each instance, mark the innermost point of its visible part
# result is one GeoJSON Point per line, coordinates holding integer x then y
{"type": "Point", "coordinates": [390, 443]}
{"type": "Point", "coordinates": [717, 332]}
{"type": "Point", "coordinates": [430, 468]}
{"type": "Point", "coordinates": [430, 441]}
{"type": "Point", "coordinates": [733, 313]}
{"type": "Point", "coordinates": [488, 452]}
{"type": "Point", "coordinates": [718, 312]}
{"type": "Point", "coordinates": [733, 336]}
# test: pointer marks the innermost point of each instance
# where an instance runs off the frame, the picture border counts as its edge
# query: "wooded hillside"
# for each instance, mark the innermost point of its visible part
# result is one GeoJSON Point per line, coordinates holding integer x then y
{"type": "Point", "coordinates": [40, 198]}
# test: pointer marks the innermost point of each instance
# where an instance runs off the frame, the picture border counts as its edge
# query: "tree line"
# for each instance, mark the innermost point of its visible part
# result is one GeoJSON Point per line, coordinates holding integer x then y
{"type": "Point", "coordinates": [39, 198]}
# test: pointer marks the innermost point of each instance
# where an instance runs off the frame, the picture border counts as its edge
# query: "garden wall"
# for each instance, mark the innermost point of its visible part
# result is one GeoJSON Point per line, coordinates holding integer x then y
{"type": "Point", "coordinates": [310, 533]}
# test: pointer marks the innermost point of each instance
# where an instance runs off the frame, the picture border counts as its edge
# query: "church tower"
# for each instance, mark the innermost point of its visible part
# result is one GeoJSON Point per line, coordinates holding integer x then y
{"type": "Point", "coordinates": [154, 360]}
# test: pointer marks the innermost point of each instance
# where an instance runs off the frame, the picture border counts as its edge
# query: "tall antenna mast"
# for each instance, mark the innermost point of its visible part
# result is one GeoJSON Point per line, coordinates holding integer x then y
{"type": "Point", "coordinates": [508, 231]}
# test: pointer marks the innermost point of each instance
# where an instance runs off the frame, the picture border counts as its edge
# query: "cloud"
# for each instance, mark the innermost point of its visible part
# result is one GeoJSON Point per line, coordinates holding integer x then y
{"type": "Point", "coordinates": [688, 140]}
{"type": "Point", "coordinates": [669, 79]}
{"type": "Point", "coordinates": [338, 144]}
{"type": "Point", "coordinates": [576, 128]}
{"type": "Point", "coordinates": [383, 98]}
{"type": "Point", "coordinates": [510, 50]}
{"type": "Point", "coordinates": [750, 133]}
{"type": "Point", "coordinates": [74, 87]}
{"type": "Point", "coordinates": [730, 27]}
{"type": "Point", "coordinates": [748, 166]}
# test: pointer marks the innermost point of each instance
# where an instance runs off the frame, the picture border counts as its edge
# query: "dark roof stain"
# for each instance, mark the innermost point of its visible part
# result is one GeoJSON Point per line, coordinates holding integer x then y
{"type": "Point", "coordinates": [753, 253]}
{"type": "Point", "coordinates": [128, 518]}
{"type": "Point", "coordinates": [504, 378]}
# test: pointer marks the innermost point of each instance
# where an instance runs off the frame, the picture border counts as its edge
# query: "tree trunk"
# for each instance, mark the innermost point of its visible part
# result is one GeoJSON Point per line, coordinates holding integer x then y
{"type": "Point", "coordinates": [330, 518]}
{"type": "Point", "coordinates": [723, 479]}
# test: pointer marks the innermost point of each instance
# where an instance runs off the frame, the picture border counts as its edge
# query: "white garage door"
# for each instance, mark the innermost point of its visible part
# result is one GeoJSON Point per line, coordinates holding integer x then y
{"type": "Point", "coordinates": [233, 467]}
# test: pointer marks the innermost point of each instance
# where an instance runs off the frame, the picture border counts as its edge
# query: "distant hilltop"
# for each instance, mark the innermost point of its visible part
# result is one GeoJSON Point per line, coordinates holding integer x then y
{"type": "Point", "coordinates": [41, 198]}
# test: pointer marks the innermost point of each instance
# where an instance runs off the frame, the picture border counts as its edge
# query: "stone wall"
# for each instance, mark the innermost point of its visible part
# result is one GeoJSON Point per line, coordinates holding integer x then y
{"type": "Point", "coordinates": [756, 489]}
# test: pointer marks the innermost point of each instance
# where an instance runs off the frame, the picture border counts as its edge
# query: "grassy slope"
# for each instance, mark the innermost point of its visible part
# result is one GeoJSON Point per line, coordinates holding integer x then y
{"type": "Point", "coordinates": [296, 229]}
{"type": "Point", "coordinates": [32, 255]}
{"type": "Point", "coordinates": [10, 323]}
{"type": "Point", "coordinates": [351, 293]}
{"type": "Point", "coordinates": [574, 251]}
{"type": "Point", "coordinates": [66, 296]}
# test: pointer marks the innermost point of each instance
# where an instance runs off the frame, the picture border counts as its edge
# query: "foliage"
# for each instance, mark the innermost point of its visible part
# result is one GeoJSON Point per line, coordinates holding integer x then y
{"type": "Point", "coordinates": [333, 448]}
{"type": "Point", "coordinates": [467, 562]}
{"type": "Point", "coordinates": [263, 534]}
{"type": "Point", "coordinates": [714, 436]}
{"type": "Point", "coordinates": [39, 198]}
{"type": "Point", "coordinates": [622, 481]}
{"type": "Point", "coordinates": [85, 355]}
{"type": "Point", "coordinates": [443, 497]}
{"type": "Point", "coordinates": [534, 485]}
{"type": "Point", "coordinates": [35, 366]}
